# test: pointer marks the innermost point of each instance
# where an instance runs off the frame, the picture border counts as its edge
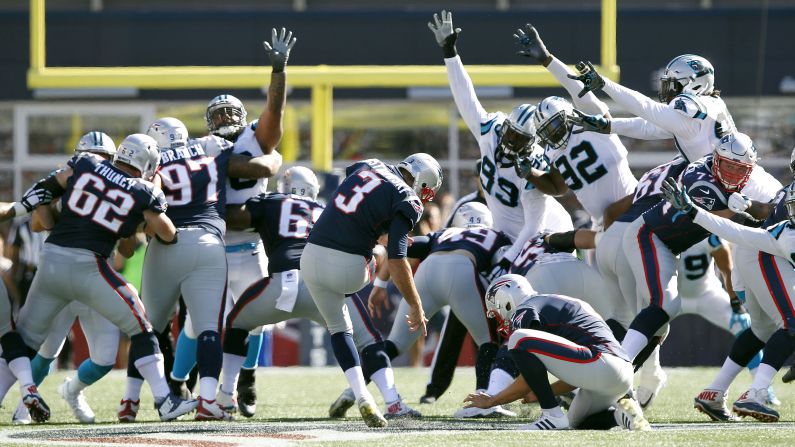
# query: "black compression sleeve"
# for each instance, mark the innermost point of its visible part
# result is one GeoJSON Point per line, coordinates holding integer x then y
{"type": "Point", "coordinates": [420, 248]}
{"type": "Point", "coordinates": [563, 241]}
{"type": "Point", "coordinates": [398, 237]}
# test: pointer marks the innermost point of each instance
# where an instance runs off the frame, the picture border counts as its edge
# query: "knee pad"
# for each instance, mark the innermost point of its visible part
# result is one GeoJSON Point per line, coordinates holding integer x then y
{"type": "Point", "coordinates": [374, 358]}
{"type": "Point", "coordinates": [236, 341]}
{"type": "Point", "coordinates": [14, 347]}
{"type": "Point", "coordinates": [649, 321]}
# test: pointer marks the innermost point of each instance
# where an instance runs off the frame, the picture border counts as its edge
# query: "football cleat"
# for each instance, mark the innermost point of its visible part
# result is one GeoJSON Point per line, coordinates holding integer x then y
{"type": "Point", "coordinates": [713, 404]}
{"type": "Point", "coordinates": [247, 392]}
{"type": "Point", "coordinates": [211, 410]}
{"type": "Point", "coordinates": [547, 422]}
{"type": "Point", "coordinates": [342, 404]}
{"type": "Point", "coordinates": [370, 413]}
{"type": "Point", "coordinates": [790, 375]}
{"type": "Point", "coordinates": [428, 399]}
{"type": "Point", "coordinates": [128, 410]}
{"type": "Point", "coordinates": [173, 407]}
{"type": "Point", "coordinates": [227, 401]}
{"type": "Point", "coordinates": [752, 403]}
{"type": "Point", "coordinates": [493, 412]}
{"type": "Point", "coordinates": [629, 414]}
{"type": "Point", "coordinates": [38, 409]}
{"type": "Point", "coordinates": [772, 399]}
{"type": "Point", "coordinates": [399, 410]}
{"type": "Point", "coordinates": [21, 415]}
{"type": "Point", "coordinates": [77, 402]}
{"type": "Point", "coordinates": [650, 386]}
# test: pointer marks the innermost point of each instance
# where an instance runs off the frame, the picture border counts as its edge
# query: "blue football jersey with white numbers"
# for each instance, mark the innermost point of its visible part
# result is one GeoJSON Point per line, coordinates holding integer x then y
{"type": "Point", "coordinates": [102, 204]}
{"type": "Point", "coordinates": [283, 221]}
{"type": "Point", "coordinates": [363, 206]}
{"type": "Point", "coordinates": [676, 229]}
{"type": "Point", "coordinates": [569, 318]}
{"type": "Point", "coordinates": [648, 190]}
{"type": "Point", "coordinates": [194, 177]}
{"type": "Point", "coordinates": [533, 251]}
{"type": "Point", "coordinates": [482, 243]}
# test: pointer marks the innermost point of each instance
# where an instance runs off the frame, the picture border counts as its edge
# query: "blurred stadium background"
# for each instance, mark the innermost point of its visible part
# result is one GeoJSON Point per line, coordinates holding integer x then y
{"type": "Point", "coordinates": [748, 42]}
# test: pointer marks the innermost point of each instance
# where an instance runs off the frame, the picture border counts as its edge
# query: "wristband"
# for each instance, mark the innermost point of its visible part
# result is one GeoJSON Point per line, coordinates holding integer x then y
{"type": "Point", "coordinates": [20, 210]}
{"type": "Point", "coordinates": [380, 283]}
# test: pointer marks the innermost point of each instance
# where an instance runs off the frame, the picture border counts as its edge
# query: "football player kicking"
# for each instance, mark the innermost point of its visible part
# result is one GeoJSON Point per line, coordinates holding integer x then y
{"type": "Point", "coordinates": [764, 257]}
{"type": "Point", "coordinates": [194, 267]}
{"type": "Point", "coordinates": [101, 203]}
{"type": "Point", "coordinates": [102, 335]}
{"type": "Point", "coordinates": [284, 221]}
{"type": "Point", "coordinates": [565, 337]}
{"type": "Point", "coordinates": [374, 199]}
{"type": "Point", "coordinates": [226, 118]}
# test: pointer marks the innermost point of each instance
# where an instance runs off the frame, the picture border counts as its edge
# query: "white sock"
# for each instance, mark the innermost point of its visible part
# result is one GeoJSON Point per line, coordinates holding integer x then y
{"type": "Point", "coordinates": [208, 387]}
{"type": "Point", "coordinates": [498, 381]}
{"type": "Point", "coordinates": [151, 369]}
{"type": "Point", "coordinates": [133, 389]}
{"type": "Point", "coordinates": [356, 381]}
{"type": "Point", "coordinates": [20, 367]}
{"type": "Point", "coordinates": [633, 343]}
{"type": "Point", "coordinates": [763, 377]}
{"type": "Point", "coordinates": [230, 372]}
{"type": "Point", "coordinates": [556, 412]}
{"type": "Point", "coordinates": [728, 372]}
{"type": "Point", "coordinates": [7, 379]}
{"type": "Point", "coordinates": [384, 379]}
{"type": "Point", "coordinates": [75, 386]}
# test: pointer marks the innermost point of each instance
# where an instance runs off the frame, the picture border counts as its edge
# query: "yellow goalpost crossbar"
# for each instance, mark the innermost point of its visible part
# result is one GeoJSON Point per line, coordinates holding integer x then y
{"type": "Point", "coordinates": [321, 79]}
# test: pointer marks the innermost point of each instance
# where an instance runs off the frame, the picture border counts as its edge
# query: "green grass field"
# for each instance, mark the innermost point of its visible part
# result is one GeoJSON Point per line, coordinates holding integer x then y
{"type": "Point", "coordinates": [294, 402]}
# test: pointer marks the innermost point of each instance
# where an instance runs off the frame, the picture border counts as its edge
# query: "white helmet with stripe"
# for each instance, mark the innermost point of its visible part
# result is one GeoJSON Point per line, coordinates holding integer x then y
{"type": "Point", "coordinates": [300, 181]}
{"type": "Point", "coordinates": [552, 120]}
{"type": "Point", "coordinates": [687, 73]}
{"type": "Point", "coordinates": [503, 296]}
{"type": "Point", "coordinates": [226, 117]}
{"type": "Point", "coordinates": [472, 215]}
{"type": "Point", "coordinates": [96, 143]}
{"type": "Point", "coordinates": [734, 157]}
{"type": "Point", "coordinates": [426, 172]}
{"type": "Point", "coordinates": [518, 136]}
{"type": "Point", "coordinates": [168, 133]}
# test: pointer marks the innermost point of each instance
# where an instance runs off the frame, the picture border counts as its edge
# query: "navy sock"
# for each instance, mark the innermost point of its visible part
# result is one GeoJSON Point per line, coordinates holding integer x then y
{"type": "Point", "coordinates": [618, 330]}
{"type": "Point", "coordinates": [486, 354]}
{"type": "Point", "coordinates": [374, 358]}
{"type": "Point", "coordinates": [535, 374]}
{"type": "Point", "coordinates": [649, 321]}
{"type": "Point", "coordinates": [505, 362]}
{"type": "Point", "coordinates": [745, 347]}
{"type": "Point", "coordinates": [209, 355]}
{"type": "Point", "coordinates": [778, 348]}
{"type": "Point", "coordinates": [235, 340]}
{"type": "Point", "coordinates": [602, 420]}
{"type": "Point", "coordinates": [390, 349]}
{"type": "Point", "coordinates": [645, 353]}
{"type": "Point", "coordinates": [344, 350]}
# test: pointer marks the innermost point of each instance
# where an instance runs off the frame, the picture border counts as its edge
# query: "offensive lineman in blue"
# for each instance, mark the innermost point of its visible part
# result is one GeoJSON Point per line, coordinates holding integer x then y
{"type": "Point", "coordinates": [375, 199]}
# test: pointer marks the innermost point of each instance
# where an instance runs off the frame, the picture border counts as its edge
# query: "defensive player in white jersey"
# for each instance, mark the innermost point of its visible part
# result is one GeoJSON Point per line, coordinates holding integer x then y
{"type": "Point", "coordinates": [765, 257]}
{"type": "Point", "coordinates": [690, 111]}
{"type": "Point", "coordinates": [245, 255]}
{"type": "Point", "coordinates": [593, 166]}
{"type": "Point", "coordinates": [102, 335]}
{"type": "Point", "coordinates": [519, 209]}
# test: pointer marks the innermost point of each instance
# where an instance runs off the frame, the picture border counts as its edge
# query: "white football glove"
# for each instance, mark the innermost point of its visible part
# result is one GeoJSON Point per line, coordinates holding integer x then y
{"type": "Point", "coordinates": [738, 203]}
{"type": "Point", "coordinates": [445, 33]}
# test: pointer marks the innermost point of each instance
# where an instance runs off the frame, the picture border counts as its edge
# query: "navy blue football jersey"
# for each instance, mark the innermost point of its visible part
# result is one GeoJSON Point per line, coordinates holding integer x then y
{"type": "Point", "coordinates": [779, 212]}
{"type": "Point", "coordinates": [102, 204]}
{"type": "Point", "coordinates": [648, 192]}
{"type": "Point", "coordinates": [676, 229]}
{"type": "Point", "coordinates": [283, 221]}
{"type": "Point", "coordinates": [532, 251]}
{"type": "Point", "coordinates": [363, 207]}
{"type": "Point", "coordinates": [194, 179]}
{"type": "Point", "coordinates": [482, 243]}
{"type": "Point", "coordinates": [569, 318]}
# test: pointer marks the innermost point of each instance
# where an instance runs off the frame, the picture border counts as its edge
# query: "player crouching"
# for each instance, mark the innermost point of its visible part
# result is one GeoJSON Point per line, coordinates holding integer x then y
{"type": "Point", "coordinates": [565, 337]}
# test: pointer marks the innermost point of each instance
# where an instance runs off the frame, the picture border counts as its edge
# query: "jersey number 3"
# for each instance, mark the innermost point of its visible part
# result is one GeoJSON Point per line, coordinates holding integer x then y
{"type": "Point", "coordinates": [350, 204]}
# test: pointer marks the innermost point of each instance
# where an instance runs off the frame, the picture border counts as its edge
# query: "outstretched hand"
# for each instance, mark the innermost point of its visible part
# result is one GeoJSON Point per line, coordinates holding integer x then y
{"type": "Point", "coordinates": [591, 80]}
{"type": "Point", "coordinates": [532, 45]}
{"type": "Point", "coordinates": [446, 35]}
{"type": "Point", "coordinates": [590, 123]}
{"type": "Point", "coordinates": [279, 50]}
{"type": "Point", "coordinates": [678, 197]}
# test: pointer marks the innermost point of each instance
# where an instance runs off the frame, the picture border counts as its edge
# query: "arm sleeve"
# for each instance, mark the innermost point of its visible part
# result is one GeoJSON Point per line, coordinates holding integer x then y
{"type": "Point", "coordinates": [527, 318]}
{"type": "Point", "coordinates": [589, 103]}
{"type": "Point", "coordinates": [398, 237]}
{"type": "Point", "coordinates": [158, 204]}
{"type": "Point", "coordinates": [420, 248]}
{"type": "Point", "coordinates": [534, 208]}
{"type": "Point", "coordinates": [639, 129]}
{"type": "Point", "coordinates": [641, 105]}
{"type": "Point", "coordinates": [756, 238]}
{"type": "Point", "coordinates": [464, 95]}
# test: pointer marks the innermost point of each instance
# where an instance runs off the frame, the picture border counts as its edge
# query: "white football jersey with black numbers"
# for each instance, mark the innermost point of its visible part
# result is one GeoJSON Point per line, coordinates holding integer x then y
{"type": "Point", "coordinates": [240, 190]}
{"type": "Point", "coordinates": [506, 191]}
{"type": "Point", "coordinates": [696, 268]}
{"type": "Point", "coordinates": [595, 167]}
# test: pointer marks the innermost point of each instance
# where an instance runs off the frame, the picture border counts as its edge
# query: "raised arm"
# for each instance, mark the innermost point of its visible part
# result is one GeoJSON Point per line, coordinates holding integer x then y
{"type": "Point", "coordinates": [639, 129]}
{"type": "Point", "coordinates": [269, 127]}
{"type": "Point", "coordinates": [42, 193]}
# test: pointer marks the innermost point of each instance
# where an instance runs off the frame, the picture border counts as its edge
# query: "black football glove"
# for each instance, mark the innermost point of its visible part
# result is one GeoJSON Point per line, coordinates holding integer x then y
{"type": "Point", "coordinates": [532, 45]}
{"type": "Point", "coordinates": [591, 80]}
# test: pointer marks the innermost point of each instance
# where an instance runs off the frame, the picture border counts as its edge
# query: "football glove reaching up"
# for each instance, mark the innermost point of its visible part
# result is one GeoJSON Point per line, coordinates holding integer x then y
{"type": "Point", "coordinates": [591, 80]}
{"type": "Point", "coordinates": [279, 51]}
{"type": "Point", "coordinates": [444, 32]}
{"type": "Point", "coordinates": [532, 45]}
{"type": "Point", "coordinates": [678, 197]}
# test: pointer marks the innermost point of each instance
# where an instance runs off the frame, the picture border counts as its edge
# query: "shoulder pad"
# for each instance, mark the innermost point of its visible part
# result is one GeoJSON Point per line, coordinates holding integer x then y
{"type": "Point", "coordinates": [253, 125]}
{"type": "Point", "coordinates": [690, 106]}
{"type": "Point", "coordinates": [491, 120]}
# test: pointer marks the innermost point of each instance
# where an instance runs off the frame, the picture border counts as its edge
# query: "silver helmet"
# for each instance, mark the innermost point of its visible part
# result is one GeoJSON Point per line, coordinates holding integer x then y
{"type": "Point", "coordinates": [300, 181]}
{"type": "Point", "coordinates": [503, 296]}
{"type": "Point", "coordinates": [226, 117]}
{"type": "Point", "coordinates": [168, 133]}
{"type": "Point", "coordinates": [687, 73]}
{"type": "Point", "coordinates": [139, 151]}
{"type": "Point", "coordinates": [472, 215]}
{"type": "Point", "coordinates": [734, 157]}
{"type": "Point", "coordinates": [427, 174]}
{"type": "Point", "coordinates": [96, 143]}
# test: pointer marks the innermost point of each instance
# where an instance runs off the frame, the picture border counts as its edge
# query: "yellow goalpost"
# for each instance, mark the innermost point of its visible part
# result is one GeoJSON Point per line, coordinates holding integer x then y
{"type": "Point", "coordinates": [321, 79]}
